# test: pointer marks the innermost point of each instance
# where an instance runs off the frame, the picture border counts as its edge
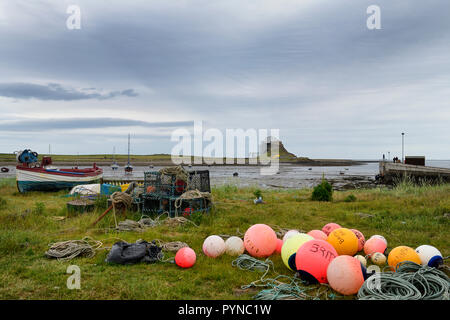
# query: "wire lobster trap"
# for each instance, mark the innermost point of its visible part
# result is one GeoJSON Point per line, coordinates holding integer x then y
{"type": "Point", "coordinates": [177, 192]}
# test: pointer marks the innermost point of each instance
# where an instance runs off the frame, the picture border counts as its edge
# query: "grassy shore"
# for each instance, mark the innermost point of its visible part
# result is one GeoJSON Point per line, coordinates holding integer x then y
{"type": "Point", "coordinates": [406, 215]}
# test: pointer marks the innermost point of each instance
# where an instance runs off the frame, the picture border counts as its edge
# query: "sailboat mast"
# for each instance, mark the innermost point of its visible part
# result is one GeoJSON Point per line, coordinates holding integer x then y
{"type": "Point", "coordinates": [128, 148]}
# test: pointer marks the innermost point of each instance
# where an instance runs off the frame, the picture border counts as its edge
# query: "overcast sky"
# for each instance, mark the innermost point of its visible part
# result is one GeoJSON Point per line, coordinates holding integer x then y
{"type": "Point", "coordinates": [310, 68]}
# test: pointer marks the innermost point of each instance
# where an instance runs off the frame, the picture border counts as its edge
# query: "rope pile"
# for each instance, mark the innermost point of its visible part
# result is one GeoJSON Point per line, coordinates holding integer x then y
{"type": "Point", "coordinates": [410, 281]}
{"type": "Point", "coordinates": [179, 172]}
{"type": "Point", "coordinates": [277, 290]}
{"type": "Point", "coordinates": [147, 222]}
{"type": "Point", "coordinates": [67, 250]}
{"type": "Point", "coordinates": [172, 246]}
{"type": "Point", "coordinates": [119, 198]}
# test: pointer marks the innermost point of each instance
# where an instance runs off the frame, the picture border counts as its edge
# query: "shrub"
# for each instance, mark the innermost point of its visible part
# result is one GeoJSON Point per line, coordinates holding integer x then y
{"type": "Point", "coordinates": [257, 193]}
{"type": "Point", "coordinates": [322, 192]}
{"type": "Point", "coordinates": [350, 198]}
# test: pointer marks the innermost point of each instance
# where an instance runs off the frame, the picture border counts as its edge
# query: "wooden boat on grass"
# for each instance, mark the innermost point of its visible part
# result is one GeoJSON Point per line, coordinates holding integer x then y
{"type": "Point", "coordinates": [32, 176]}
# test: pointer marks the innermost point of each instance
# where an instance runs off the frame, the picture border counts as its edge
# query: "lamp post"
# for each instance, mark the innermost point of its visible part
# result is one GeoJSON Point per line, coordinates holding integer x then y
{"type": "Point", "coordinates": [403, 147]}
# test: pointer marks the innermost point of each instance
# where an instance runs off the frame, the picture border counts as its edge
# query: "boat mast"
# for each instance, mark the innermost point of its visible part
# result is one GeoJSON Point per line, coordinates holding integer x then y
{"type": "Point", "coordinates": [128, 148]}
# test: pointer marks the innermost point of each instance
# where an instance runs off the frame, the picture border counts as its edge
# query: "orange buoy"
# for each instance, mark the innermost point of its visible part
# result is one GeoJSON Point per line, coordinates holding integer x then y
{"type": "Point", "coordinates": [330, 227]}
{"type": "Point", "coordinates": [345, 274]}
{"type": "Point", "coordinates": [213, 246]}
{"type": "Point", "coordinates": [401, 254]}
{"type": "Point", "coordinates": [361, 239]}
{"type": "Point", "coordinates": [374, 244]}
{"type": "Point", "coordinates": [260, 240]}
{"type": "Point", "coordinates": [318, 234]}
{"type": "Point", "coordinates": [185, 257]}
{"type": "Point", "coordinates": [344, 241]}
{"type": "Point", "coordinates": [312, 260]}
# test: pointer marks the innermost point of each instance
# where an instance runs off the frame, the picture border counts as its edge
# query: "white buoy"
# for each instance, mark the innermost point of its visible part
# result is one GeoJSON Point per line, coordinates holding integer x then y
{"type": "Point", "coordinates": [234, 246]}
{"type": "Point", "coordinates": [289, 234]}
{"type": "Point", "coordinates": [362, 260]}
{"type": "Point", "coordinates": [213, 246]}
{"type": "Point", "coordinates": [429, 255]}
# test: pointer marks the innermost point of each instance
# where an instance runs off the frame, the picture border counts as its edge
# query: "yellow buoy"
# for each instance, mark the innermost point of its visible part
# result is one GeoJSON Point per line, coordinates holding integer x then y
{"type": "Point", "coordinates": [401, 254]}
{"type": "Point", "coordinates": [344, 241]}
{"type": "Point", "coordinates": [291, 246]}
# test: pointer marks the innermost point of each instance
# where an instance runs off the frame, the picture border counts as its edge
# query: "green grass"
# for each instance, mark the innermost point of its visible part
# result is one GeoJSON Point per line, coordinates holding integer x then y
{"type": "Point", "coordinates": [406, 215]}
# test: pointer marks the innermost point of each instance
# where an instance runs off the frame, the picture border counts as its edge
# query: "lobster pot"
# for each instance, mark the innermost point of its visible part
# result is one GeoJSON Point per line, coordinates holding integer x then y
{"type": "Point", "coordinates": [199, 180]}
{"type": "Point", "coordinates": [190, 206]}
{"type": "Point", "coordinates": [161, 192]}
{"type": "Point", "coordinates": [161, 185]}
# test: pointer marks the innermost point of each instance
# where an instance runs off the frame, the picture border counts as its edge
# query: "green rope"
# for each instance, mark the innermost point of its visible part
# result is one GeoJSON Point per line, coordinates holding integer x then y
{"type": "Point", "coordinates": [291, 288]}
{"type": "Point", "coordinates": [410, 281]}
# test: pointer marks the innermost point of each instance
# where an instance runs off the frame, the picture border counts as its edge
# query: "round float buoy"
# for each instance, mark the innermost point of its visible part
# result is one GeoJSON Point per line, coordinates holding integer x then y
{"type": "Point", "coordinates": [401, 254]}
{"type": "Point", "coordinates": [289, 234]}
{"type": "Point", "coordinates": [279, 246]}
{"type": "Point", "coordinates": [234, 246]}
{"type": "Point", "coordinates": [344, 241]}
{"type": "Point", "coordinates": [260, 240]}
{"type": "Point", "coordinates": [291, 246]}
{"type": "Point", "coordinates": [318, 234]}
{"type": "Point", "coordinates": [345, 274]}
{"type": "Point", "coordinates": [180, 186]}
{"type": "Point", "coordinates": [361, 239]}
{"type": "Point", "coordinates": [185, 257]}
{"type": "Point", "coordinates": [362, 259]}
{"type": "Point", "coordinates": [378, 258]}
{"type": "Point", "coordinates": [330, 227]}
{"type": "Point", "coordinates": [312, 260]}
{"type": "Point", "coordinates": [213, 246]}
{"type": "Point", "coordinates": [379, 237]}
{"type": "Point", "coordinates": [151, 189]}
{"type": "Point", "coordinates": [374, 244]}
{"type": "Point", "coordinates": [429, 255]}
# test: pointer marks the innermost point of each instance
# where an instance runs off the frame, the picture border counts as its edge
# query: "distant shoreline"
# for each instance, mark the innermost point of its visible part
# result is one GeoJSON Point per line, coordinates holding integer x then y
{"type": "Point", "coordinates": [168, 162]}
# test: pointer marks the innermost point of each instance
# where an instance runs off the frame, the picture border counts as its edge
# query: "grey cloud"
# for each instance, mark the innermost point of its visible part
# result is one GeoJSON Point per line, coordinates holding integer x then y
{"type": "Point", "coordinates": [54, 91]}
{"type": "Point", "coordinates": [83, 123]}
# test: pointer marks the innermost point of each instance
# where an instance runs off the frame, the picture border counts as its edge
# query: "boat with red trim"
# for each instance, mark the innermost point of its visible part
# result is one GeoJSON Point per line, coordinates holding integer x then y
{"type": "Point", "coordinates": [34, 176]}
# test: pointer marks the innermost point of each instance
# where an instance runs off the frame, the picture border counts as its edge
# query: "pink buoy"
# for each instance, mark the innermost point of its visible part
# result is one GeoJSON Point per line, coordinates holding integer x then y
{"type": "Point", "coordinates": [185, 257]}
{"type": "Point", "coordinates": [330, 227]}
{"type": "Point", "coordinates": [279, 246]}
{"type": "Point", "coordinates": [373, 245]}
{"type": "Point", "coordinates": [260, 240]}
{"type": "Point", "coordinates": [361, 239]}
{"type": "Point", "coordinates": [213, 246]}
{"type": "Point", "coordinates": [345, 274]}
{"type": "Point", "coordinates": [318, 234]}
{"type": "Point", "coordinates": [312, 260]}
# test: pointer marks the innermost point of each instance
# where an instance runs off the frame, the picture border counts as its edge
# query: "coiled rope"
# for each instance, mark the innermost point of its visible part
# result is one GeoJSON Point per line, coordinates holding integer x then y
{"type": "Point", "coordinates": [291, 289]}
{"type": "Point", "coordinates": [67, 250]}
{"type": "Point", "coordinates": [410, 281]}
